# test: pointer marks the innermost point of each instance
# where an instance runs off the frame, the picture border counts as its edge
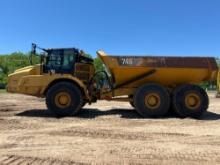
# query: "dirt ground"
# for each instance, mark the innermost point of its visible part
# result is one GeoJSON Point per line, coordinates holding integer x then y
{"type": "Point", "coordinates": [104, 133]}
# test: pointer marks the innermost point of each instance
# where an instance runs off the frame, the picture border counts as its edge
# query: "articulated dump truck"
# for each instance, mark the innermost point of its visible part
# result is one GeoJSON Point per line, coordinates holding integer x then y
{"type": "Point", "coordinates": [152, 85]}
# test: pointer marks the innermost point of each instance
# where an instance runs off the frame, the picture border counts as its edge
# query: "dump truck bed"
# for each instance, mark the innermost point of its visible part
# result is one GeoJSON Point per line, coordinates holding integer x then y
{"type": "Point", "coordinates": [167, 71]}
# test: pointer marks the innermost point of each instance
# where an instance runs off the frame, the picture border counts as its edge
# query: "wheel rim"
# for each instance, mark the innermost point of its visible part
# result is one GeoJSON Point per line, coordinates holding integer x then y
{"type": "Point", "coordinates": [62, 100]}
{"type": "Point", "coordinates": [152, 101]}
{"type": "Point", "coordinates": [192, 101]}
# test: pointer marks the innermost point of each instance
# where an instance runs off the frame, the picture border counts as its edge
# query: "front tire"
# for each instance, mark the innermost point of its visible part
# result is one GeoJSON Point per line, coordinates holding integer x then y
{"type": "Point", "coordinates": [152, 100]}
{"type": "Point", "coordinates": [64, 99]}
{"type": "Point", "coordinates": [190, 101]}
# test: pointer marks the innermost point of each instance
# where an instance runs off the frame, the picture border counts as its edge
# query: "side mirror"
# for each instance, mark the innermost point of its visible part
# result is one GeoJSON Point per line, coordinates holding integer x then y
{"type": "Point", "coordinates": [33, 48]}
{"type": "Point", "coordinates": [33, 51]}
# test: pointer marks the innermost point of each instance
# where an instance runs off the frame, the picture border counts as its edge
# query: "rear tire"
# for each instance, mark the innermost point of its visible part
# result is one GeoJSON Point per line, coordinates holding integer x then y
{"type": "Point", "coordinates": [190, 101]}
{"type": "Point", "coordinates": [64, 99]}
{"type": "Point", "coordinates": [152, 100]}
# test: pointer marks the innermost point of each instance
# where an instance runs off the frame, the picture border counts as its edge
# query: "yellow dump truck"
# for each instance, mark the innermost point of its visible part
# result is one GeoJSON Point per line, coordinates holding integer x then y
{"type": "Point", "coordinates": [152, 85]}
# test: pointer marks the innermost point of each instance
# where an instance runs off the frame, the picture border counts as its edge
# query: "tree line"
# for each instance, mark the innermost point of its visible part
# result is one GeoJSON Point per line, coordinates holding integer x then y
{"type": "Point", "coordinates": [10, 62]}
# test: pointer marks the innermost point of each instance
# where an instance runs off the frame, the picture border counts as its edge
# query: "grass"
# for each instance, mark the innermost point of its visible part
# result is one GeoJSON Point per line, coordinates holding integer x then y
{"type": "Point", "coordinates": [2, 90]}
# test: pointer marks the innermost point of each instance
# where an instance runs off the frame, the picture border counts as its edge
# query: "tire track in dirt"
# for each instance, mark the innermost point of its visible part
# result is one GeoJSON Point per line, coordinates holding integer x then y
{"type": "Point", "coordinates": [164, 155]}
{"type": "Point", "coordinates": [177, 157]}
{"type": "Point", "coordinates": [18, 125]}
{"type": "Point", "coordinates": [22, 160]}
{"type": "Point", "coordinates": [148, 157]}
{"type": "Point", "coordinates": [110, 134]}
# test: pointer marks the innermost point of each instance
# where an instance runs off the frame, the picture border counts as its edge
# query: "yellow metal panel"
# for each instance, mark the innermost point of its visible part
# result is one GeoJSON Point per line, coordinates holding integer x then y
{"type": "Point", "coordinates": [39, 83]}
{"type": "Point", "coordinates": [164, 76]}
{"type": "Point", "coordinates": [29, 81]}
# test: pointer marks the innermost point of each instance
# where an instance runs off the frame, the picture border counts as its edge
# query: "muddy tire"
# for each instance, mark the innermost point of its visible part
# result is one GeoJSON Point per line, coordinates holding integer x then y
{"type": "Point", "coordinates": [190, 101]}
{"type": "Point", "coordinates": [64, 99]}
{"type": "Point", "coordinates": [152, 100]}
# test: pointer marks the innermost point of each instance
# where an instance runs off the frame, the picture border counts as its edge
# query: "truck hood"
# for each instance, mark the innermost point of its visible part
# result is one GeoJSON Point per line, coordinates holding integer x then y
{"type": "Point", "coordinates": [15, 78]}
{"type": "Point", "coordinates": [25, 68]}
{"type": "Point", "coordinates": [29, 70]}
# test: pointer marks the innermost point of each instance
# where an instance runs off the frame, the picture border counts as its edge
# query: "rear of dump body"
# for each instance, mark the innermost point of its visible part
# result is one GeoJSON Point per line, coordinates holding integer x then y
{"type": "Point", "coordinates": [168, 71]}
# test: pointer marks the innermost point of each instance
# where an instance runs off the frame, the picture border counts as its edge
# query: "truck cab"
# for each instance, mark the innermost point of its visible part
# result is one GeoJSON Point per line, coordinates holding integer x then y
{"type": "Point", "coordinates": [69, 64]}
{"type": "Point", "coordinates": [63, 60]}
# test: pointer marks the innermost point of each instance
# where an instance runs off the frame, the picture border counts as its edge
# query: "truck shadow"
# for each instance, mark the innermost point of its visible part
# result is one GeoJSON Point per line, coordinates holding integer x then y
{"type": "Point", "coordinates": [94, 113]}
{"type": "Point", "coordinates": [83, 113]}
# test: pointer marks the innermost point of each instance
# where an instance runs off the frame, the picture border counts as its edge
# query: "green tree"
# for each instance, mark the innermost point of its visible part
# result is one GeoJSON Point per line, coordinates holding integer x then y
{"type": "Point", "coordinates": [98, 64]}
{"type": "Point", "coordinates": [9, 63]}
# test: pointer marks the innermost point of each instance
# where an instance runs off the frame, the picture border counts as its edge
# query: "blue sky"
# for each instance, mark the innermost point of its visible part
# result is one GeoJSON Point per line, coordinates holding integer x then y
{"type": "Point", "coordinates": [155, 27]}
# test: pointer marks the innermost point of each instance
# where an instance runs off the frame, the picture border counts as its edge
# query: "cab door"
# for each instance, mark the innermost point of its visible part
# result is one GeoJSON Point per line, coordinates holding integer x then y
{"type": "Point", "coordinates": [60, 61]}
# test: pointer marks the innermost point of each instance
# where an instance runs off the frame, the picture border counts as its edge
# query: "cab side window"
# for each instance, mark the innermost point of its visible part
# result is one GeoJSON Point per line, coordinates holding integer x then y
{"type": "Point", "coordinates": [54, 60]}
{"type": "Point", "coordinates": [60, 61]}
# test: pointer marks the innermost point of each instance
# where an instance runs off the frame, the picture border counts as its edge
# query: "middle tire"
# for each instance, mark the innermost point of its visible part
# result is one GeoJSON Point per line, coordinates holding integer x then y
{"type": "Point", "coordinates": [152, 100]}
